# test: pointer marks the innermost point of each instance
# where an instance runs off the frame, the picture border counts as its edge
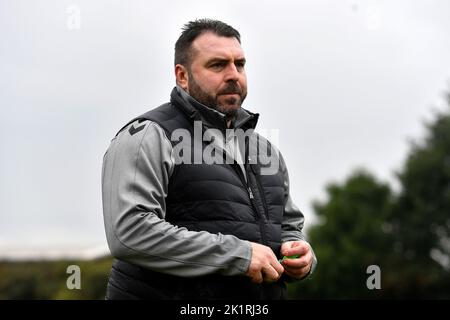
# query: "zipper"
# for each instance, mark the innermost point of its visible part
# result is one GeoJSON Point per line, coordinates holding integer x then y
{"type": "Point", "coordinates": [252, 198]}
{"type": "Point", "coordinates": [241, 176]}
{"type": "Point", "coordinates": [244, 183]}
{"type": "Point", "coordinates": [263, 196]}
{"type": "Point", "coordinates": [250, 193]}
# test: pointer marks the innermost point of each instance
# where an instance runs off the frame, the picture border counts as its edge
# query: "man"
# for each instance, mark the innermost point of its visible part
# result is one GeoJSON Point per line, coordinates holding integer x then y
{"type": "Point", "coordinates": [181, 223]}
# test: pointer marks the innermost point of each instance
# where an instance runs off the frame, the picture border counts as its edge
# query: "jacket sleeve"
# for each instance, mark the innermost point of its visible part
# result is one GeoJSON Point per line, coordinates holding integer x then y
{"type": "Point", "coordinates": [293, 218]}
{"type": "Point", "coordinates": [135, 177]}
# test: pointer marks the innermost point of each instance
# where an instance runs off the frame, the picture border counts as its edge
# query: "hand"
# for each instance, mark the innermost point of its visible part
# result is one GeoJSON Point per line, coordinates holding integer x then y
{"type": "Point", "coordinates": [264, 266]}
{"type": "Point", "coordinates": [300, 267]}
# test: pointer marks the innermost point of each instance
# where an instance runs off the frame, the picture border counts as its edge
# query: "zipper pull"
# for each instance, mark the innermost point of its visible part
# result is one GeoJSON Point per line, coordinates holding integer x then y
{"type": "Point", "coordinates": [250, 193]}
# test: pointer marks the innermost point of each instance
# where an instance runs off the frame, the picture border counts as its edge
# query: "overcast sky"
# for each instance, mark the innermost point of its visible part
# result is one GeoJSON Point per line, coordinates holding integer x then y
{"type": "Point", "coordinates": [347, 83]}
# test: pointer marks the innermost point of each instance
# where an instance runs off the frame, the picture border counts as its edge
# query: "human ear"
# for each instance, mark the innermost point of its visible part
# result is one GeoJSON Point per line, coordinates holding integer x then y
{"type": "Point", "coordinates": [182, 76]}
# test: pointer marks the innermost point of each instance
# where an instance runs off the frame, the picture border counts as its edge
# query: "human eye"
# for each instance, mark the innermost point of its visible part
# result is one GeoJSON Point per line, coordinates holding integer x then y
{"type": "Point", "coordinates": [240, 65]}
{"type": "Point", "coordinates": [217, 65]}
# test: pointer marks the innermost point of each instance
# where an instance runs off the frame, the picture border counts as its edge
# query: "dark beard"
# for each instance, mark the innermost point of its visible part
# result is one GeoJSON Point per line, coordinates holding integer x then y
{"type": "Point", "coordinates": [201, 96]}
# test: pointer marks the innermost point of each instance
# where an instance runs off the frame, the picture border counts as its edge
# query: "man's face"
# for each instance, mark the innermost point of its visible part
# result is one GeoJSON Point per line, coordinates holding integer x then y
{"type": "Point", "coordinates": [216, 76]}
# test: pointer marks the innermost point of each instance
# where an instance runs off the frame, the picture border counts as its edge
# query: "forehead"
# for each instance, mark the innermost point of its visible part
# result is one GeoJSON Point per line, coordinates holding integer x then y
{"type": "Point", "coordinates": [210, 45]}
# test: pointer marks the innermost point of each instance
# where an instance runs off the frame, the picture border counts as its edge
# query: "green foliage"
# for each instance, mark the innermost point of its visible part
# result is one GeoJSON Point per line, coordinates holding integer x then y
{"type": "Point", "coordinates": [421, 219]}
{"type": "Point", "coordinates": [47, 279]}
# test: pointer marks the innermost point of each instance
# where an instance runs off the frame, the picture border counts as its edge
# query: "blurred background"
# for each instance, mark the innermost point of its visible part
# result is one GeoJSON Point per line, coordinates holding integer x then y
{"type": "Point", "coordinates": [359, 91]}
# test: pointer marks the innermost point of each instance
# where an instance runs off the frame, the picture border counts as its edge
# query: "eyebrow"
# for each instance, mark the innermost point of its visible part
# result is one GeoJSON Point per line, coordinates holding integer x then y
{"type": "Point", "coordinates": [214, 60]}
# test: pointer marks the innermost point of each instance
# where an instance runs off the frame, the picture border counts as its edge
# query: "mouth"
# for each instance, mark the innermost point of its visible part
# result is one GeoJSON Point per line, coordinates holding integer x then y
{"type": "Point", "coordinates": [230, 94]}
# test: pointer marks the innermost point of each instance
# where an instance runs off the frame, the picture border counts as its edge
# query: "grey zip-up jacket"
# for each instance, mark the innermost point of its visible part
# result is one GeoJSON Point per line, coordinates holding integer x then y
{"type": "Point", "coordinates": [135, 178]}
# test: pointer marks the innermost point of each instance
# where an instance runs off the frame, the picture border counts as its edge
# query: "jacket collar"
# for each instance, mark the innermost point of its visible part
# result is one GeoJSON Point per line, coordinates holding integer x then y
{"type": "Point", "coordinates": [211, 118]}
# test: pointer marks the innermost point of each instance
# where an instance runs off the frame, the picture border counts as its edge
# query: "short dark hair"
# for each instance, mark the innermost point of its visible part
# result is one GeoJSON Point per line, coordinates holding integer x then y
{"type": "Point", "coordinates": [192, 30]}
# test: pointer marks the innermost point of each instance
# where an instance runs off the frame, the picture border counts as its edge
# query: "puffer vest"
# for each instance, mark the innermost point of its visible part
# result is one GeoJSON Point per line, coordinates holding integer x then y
{"type": "Point", "coordinates": [217, 198]}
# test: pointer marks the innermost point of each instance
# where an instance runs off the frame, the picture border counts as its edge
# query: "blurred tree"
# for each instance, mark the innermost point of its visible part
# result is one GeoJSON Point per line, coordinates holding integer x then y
{"type": "Point", "coordinates": [420, 222]}
{"type": "Point", "coordinates": [349, 238]}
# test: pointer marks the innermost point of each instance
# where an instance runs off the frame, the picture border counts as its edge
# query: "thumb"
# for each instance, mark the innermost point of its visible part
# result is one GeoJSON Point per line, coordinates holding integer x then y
{"type": "Point", "coordinates": [295, 248]}
{"type": "Point", "coordinates": [286, 248]}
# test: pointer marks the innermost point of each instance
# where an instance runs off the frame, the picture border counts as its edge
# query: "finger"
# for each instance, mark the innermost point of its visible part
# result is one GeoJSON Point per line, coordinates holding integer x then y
{"type": "Point", "coordinates": [298, 247]}
{"type": "Point", "coordinates": [297, 263]}
{"type": "Point", "coordinates": [287, 246]}
{"type": "Point", "coordinates": [304, 271]}
{"type": "Point", "coordinates": [298, 273]}
{"type": "Point", "coordinates": [278, 267]}
{"type": "Point", "coordinates": [270, 274]}
{"type": "Point", "coordinates": [257, 277]}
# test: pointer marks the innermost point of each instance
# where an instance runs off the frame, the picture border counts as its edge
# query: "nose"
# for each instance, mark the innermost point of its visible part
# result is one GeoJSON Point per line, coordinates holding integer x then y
{"type": "Point", "coordinates": [231, 73]}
